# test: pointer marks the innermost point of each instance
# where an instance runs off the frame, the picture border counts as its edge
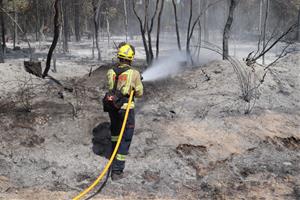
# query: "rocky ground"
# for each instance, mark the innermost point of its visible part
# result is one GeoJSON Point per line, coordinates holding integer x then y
{"type": "Point", "coordinates": [193, 139]}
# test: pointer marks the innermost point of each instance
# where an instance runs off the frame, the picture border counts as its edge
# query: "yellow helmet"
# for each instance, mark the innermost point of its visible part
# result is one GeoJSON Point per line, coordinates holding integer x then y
{"type": "Point", "coordinates": [126, 51]}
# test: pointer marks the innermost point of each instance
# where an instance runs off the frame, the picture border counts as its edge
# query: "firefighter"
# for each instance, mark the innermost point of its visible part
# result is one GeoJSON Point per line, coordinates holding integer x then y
{"type": "Point", "coordinates": [128, 79]}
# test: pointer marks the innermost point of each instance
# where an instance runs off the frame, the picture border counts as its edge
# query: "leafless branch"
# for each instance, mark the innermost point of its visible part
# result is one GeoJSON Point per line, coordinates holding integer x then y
{"type": "Point", "coordinates": [265, 50]}
{"type": "Point", "coordinates": [137, 16]}
{"type": "Point", "coordinates": [154, 15]}
{"type": "Point", "coordinates": [199, 16]}
{"type": "Point", "coordinates": [19, 27]}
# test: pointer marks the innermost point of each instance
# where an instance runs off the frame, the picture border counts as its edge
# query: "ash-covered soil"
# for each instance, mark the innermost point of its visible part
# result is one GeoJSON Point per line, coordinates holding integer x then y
{"type": "Point", "coordinates": [193, 139]}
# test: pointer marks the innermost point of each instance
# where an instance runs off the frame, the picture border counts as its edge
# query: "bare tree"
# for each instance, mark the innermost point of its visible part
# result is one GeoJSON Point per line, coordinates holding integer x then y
{"type": "Point", "coordinates": [252, 58]}
{"type": "Point", "coordinates": [198, 47]}
{"type": "Point", "coordinates": [77, 19]}
{"type": "Point", "coordinates": [36, 2]}
{"type": "Point", "coordinates": [260, 16]}
{"type": "Point", "coordinates": [125, 19]}
{"type": "Point", "coordinates": [55, 37]}
{"type": "Point", "coordinates": [298, 30]}
{"type": "Point", "coordinates": [146, 28]}
{"type": "Point", "coordinates": [110, 13]}
{"type": "Point", "coordinates": [65, 25]}
{"type": "Point", "coordinates": [1, 56]}
{"type": "Point", "coordinates": [192, 24]}
{"type": "Point", "coordinates": [158, 26]}
{"type": "Point", "coordinates": [108, 27]}
{"type": "Point", "coordinates": [3, 30]}
{"type": "Point", "coordinates": [143, 29]}
{"type": "Point", "coordinates": [150, 28]}
{"type": "Point", "coordinates": [263, 34]}
{"type": "Point", "coordinates": [226, 33]}
{"type": "Point", "coordinates": [96, 9]}
{"type": "Point", "coordinates": [189, 35]}
{"type": "Point", "coordinates": [19, 27]}
{"type": "Point", "coordinates": [176, 24]}
{"type": "Point", "coordinates": [15, 34]}
{"type": "Point", "coordinates": [204, 21]}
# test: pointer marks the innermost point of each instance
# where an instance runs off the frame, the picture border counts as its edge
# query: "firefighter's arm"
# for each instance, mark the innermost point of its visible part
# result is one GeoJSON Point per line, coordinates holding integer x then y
{"type": "Point", "coordinates": [110, 79]}
{"type": "Point", "coordinates": [139, 89]}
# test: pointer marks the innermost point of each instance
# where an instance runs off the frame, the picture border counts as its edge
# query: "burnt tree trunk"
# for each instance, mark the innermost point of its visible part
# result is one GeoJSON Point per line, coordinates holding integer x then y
{"type": "Point", "coordinates": [227, 29]}
{"type": "Point", "coordinates": [150, 28]}
{"type": "Point", "coordinates": [36, 2]}
{"type": "Point", "coordinates": [143, 30]}
{"type": "Point", "coordinates": [15, 35]}
{"type": "Point", "coordinates": [176, 25]}
{"type": "Point", "coordinates": [146, 28]}
{"type": "Point", "coordinates": [158, 26]}
{"type": "Point", "coordinates": [125, 19]}
{"type": "Point", "coordinates": [188, 38]}
{"type": "Point", "coordinates": [108, 27]}
{"type": "Point", "coordinates": [260, 16]}
{"type": "Point", "coordinates": [198, 49]}
{"type": "Point", "coordinates": [55, 38]}
{"type": "Point", "coordinates": [3, 30]}
{"type": "Point", "coordinates": [298, 30]}
{"type": "Point", "coordinates": [265, 28]}
{"type": "Point", "coordinates": [93, 47]}
{"type": "Point", "coordinates": [96, 8]}
{"type": "Point", "coordinates": [205, 24]}
{"type": "Point", "coordinates": [65, 26]}
{"type": "Point", "coordinates": [1, 57]}
{"type": "Point", "coordinates": [77, 20]}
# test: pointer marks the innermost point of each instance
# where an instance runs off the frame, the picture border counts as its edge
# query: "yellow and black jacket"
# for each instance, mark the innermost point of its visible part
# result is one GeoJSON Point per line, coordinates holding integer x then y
{"type": "Point", "coordinates": [130, 79]}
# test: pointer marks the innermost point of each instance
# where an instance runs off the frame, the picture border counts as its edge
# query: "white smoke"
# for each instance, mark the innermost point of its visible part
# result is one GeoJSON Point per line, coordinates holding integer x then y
{"type": "Point", "coordinates": [165, 67]}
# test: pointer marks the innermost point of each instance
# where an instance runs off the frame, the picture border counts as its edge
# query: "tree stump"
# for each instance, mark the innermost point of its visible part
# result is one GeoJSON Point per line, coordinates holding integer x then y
{"type": "Point", "coordinates": [34, 67]}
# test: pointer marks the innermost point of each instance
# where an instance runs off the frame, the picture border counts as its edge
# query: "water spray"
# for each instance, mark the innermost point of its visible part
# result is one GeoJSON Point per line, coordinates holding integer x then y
{"type": "Point", "coordinates": [165, 67]}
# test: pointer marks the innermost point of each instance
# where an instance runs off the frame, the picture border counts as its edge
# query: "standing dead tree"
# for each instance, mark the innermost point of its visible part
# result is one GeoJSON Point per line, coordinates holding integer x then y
{"type": "Point", "coordinates": [125, 19]}
{"type": "Point", "coordinates": [65, 20]}
{"type": "Point", "coordinates": [150, 28]}
{"type": "Point", "coordinates": [143, 30]}
{"type": "Point", "coordinates": [192, 24]}
{"type": "Point", "coordinates": [55, 37]}
{"type": "Point", "coordinates": [37, 24]}
{"type": "Point", "coordinates": [96, 9]}
{"type": "Point", "coordinates": [226, 33]}
{"type": "Point", "coordinates": [76, 4]}
{"type": "Point", "coordinates": [109, 14]}
{"type": "Point", "coordinates": [248, 79]}
{"type": "Point", "coordinates": [19, 27]}
{"type": "Point", "coordinates": [264, 29]}
{"type": "Point", "coordinates": [3, 31]}
{"type": "Point", "coordinates": [158, 26]}
{"type": "Point", "coordinates": [176, 25]}
{"type": "Point", "coordinates": [189, 32]}
{"type": "Point", "coordinates": [298, 30]}
{"type": "Point", "coordinates": [15, 28]}
{"type": "Point", "coordinates": [146, 28]}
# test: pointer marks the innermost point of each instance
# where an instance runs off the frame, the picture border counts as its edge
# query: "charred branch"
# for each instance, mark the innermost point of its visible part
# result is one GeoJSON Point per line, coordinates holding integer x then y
{"type": "Point", "coordinates": [55, 38]}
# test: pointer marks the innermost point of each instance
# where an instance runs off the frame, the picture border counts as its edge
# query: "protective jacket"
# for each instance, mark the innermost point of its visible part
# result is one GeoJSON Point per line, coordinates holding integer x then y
{"type": "Point", "coordinates": [128, 80]}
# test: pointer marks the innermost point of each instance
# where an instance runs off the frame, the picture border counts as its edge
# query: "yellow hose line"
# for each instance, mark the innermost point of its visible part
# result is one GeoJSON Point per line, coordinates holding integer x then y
{"type": "Point", "coordinates": [78, 197]}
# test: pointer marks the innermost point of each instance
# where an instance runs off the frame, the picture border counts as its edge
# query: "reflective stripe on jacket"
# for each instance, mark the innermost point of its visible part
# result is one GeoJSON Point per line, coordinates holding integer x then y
{"type": "Point", "coordinates": [127, 80]}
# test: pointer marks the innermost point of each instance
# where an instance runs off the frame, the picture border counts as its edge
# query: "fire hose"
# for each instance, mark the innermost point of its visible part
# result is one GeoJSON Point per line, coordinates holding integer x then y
{"type": "Point", "coordinates": [107, 167]}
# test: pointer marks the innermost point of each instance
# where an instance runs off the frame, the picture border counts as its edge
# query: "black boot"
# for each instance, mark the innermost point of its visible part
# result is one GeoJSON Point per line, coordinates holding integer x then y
{"type": "Point", "coordinates": [117, 175]}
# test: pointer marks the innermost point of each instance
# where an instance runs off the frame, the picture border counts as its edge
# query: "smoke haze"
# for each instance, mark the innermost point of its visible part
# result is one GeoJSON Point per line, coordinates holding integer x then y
{"type": "Point", "coordinates": [165, 67]}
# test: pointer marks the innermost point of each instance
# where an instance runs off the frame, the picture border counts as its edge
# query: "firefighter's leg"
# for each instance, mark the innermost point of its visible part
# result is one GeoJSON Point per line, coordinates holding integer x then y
{"type": "Point", "coordinates": [115, 127]}
{"type": "Point", "coordinates": [119, 162]}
